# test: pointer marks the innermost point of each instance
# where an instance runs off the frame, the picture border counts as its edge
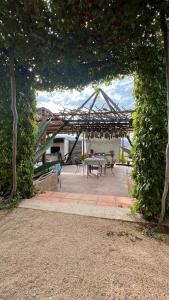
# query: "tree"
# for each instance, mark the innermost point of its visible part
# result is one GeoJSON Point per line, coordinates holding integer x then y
{"type": "Point", "coordinates": [16, 58]}
{"type": "Point", "coordinates": [165, 31]}
{"type": "Point", "coordinates": [150, 134]}
{"type": "Point", "coordinates": [15, 121]}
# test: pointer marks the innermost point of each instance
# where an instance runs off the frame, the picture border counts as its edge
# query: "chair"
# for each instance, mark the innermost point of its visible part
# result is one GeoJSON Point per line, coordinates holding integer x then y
{"type": "Point", "coordinates": [77, 162]}
{"type": "Point", "coordinates": [110, 164]}
{"type": "Point", "coordinates": [58, 169]}
{"type": "Point", "coordinates": [95, 165]}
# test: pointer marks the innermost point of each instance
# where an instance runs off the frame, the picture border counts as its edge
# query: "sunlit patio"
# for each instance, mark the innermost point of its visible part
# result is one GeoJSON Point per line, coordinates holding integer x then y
{"type": "Point", "coordinates": [74, 179]}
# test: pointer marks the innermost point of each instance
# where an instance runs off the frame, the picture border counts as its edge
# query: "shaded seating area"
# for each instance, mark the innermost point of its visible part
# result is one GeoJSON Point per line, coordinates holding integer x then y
{"type": "Point", "coordinates": [110, 164]}
{"type": "Point", "coordinates": [90, 120]}
{"type": "Point", "coordinates": [113, 183]}
{"type": "Point", "coordinates": [109, 159]}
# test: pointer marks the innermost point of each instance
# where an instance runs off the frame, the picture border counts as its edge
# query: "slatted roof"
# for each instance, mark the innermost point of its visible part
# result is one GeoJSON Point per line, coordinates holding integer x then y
{"type": "Point", "coordinates": [98, 116]}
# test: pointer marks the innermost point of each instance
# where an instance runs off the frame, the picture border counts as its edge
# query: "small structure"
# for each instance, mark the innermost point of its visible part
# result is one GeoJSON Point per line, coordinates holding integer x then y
{"type": "Point", "coordinates": [65, 142]}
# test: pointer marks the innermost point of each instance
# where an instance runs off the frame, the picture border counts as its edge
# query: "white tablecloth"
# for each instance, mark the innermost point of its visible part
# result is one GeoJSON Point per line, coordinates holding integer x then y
{"type": "Point", "coordinates": [95, 161]}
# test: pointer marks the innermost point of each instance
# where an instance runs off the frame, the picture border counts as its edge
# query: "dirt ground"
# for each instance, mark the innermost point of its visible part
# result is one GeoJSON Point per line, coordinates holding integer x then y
{"type": "Point", "coordinates": [47, 255]}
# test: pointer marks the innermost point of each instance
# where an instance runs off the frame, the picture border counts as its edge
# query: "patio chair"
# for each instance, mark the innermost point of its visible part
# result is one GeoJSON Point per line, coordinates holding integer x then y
{"type": "Point", "coordinates": [77, 162]}
{"type": "Point", "coordinates": [110, 164]}
{"type": "Point", "coordinates": [58, 169]}
{"type": "Point", "coordinates": [94, 166]}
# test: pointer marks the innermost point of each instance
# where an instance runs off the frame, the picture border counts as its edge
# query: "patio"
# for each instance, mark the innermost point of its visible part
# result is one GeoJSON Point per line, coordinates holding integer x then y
{"type": "Point", "coordinates": [74, 180]}
{"type": "Point", "coordinates": [102, 197]}
{"type": "Point", "coordinates": [106, 196]}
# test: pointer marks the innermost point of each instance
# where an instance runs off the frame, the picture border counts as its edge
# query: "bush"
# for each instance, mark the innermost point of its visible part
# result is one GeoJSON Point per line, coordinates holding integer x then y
{"type": "Point", "coordinates": [150, 139]}
{"type": "Point", "coordinates": [123, 160]}
{"type": "Point", "coordinates": [26, 106]}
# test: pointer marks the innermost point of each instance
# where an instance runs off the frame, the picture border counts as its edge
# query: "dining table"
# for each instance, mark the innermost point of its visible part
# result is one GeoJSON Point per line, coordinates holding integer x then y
{"type": "Point", "coordinates": [99, 162]}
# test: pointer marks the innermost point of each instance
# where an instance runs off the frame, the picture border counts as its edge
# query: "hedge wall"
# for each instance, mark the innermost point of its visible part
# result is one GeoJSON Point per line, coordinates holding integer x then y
{"type": "Point", "coordinates": [150, 136]}
{"type": "Point", "coordinates": [26, 106]}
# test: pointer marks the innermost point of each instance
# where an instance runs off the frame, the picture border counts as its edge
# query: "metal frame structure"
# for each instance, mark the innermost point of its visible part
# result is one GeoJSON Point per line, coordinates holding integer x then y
{"type": "Point", "coordinates": [107, 121]}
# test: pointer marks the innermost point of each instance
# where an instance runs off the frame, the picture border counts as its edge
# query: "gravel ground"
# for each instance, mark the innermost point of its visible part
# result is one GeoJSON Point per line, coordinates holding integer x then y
{"type": "Point", "coordinates": [46, 255]}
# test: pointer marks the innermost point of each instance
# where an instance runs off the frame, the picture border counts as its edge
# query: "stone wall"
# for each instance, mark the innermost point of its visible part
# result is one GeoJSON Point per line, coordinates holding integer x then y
{"type": "Point", "coordinates": [48, 183]}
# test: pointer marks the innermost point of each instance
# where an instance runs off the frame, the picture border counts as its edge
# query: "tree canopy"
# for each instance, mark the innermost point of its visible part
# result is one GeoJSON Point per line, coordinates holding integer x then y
{"type": "Point", "coordinates": [72, 43]}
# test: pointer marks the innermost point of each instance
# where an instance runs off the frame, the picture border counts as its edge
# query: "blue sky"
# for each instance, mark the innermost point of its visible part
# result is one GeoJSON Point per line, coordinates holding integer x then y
{"type": "Point", "coordinates": [120, 91]}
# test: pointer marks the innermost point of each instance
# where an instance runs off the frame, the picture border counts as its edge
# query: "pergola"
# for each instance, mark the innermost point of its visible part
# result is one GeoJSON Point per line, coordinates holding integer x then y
{"type": "Point", "coordinates": [98, 117]}
{"type": "Point", "coordinates": [95, 117]}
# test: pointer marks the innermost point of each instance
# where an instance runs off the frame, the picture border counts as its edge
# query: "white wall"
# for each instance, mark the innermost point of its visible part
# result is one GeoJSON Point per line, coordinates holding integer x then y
{"type": "Point", "coordinates": [66, 146]}
{"type": "Point", "coordinates": [48, 151]}
{"type": "Point", "coordinates": [104, 145]}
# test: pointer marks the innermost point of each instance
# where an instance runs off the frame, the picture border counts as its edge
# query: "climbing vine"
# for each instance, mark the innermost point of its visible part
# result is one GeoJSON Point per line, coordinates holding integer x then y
{"type": "Point", "coordinates": [26, 106]}
{"type": "Point", "coordinates": [150, 134]}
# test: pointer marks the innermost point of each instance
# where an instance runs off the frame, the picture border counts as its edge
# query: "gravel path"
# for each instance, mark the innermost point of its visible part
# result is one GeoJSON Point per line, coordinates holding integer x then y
{"type": "Point", "coordinates": [46, 255]}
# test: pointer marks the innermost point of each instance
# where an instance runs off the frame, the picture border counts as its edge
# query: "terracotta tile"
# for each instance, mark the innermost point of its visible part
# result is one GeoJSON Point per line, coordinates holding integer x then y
{"type": "Point", "coordinates": [89, 197]}
{"type": "Point", "coordinates": [88, 202]}
{"type": "Point", "coordinates": [107, 204]}
{"type": "Point", "coordinates": [67, 200]}
{"type": "Point", "coordinates": [126, 205]}
{"type": "Point", "coordinates": [95, 200]}
{"type": "Point", "coordinates": [61, 195]}
{"type": "Point", "coordinates": [72, 195]}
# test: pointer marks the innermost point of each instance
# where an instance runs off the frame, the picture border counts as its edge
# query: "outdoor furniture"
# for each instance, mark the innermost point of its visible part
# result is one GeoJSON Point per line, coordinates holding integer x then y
{"type": "Point", "coordinates": [110, 164]}
{"type": "Point", "coordinates": [77, 162]}
{"type": "Point", "coordinates": [58, 169]}
{"type": "Point", "coordinates": [95, 163]}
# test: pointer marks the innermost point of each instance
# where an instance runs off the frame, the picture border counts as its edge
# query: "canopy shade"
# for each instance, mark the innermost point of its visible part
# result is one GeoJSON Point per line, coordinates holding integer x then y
{"type": "Point", "coordinates": [107, 120]}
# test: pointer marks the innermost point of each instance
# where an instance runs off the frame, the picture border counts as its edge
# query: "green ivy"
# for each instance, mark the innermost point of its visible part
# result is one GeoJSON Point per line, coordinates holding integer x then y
{"type": "Point", "coordinates": [27, 132]}
{"type": "Point", "coordinates": [5, 134]}
{"type": "Point", "coordinates": [150, 137]}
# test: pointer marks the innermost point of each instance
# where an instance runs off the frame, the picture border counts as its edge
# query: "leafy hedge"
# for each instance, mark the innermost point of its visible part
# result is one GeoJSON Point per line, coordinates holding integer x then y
{"type": "Point", "coordinates": [150, 137]}
{"type": "Point", "coordinates": [26, 106]}
{"type": "Point", "coordinates": [5, 134]}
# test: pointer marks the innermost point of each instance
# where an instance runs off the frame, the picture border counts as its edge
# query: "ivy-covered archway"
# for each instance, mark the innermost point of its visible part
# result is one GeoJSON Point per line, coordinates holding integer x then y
{"type": "Point", "coordinates": [51, 44]}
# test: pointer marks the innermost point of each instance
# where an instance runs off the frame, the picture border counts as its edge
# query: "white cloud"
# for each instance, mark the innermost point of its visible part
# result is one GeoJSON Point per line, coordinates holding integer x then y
{"type": "Point", "coordinates": [120, 91]}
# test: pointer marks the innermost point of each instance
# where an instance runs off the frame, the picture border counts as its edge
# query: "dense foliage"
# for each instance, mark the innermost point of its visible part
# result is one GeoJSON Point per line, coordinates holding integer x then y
{"type": "Point", "coordinates": [27, 136]}
{"type": "Point", "coordinates": [150, 134]}
{"type": "Point", "coordinates": [26, 106]}
{"type": "Point", "coordinates": [5, 133]}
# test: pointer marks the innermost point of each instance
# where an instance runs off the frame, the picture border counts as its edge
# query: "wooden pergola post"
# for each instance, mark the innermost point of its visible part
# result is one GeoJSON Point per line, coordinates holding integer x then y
{"type": "Point", "coordinates": [83, 149]}
{"type": "Point", "coordinates": [74, 145]}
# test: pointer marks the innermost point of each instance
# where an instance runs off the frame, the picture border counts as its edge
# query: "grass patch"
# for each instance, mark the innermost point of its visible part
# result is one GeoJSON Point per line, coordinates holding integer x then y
{"type": "Point", "coordinates": [134, 209]}
{"type": "Point", "coordinates": [8, 203]}
{"type": "Point", "coordinates": [160, 233]}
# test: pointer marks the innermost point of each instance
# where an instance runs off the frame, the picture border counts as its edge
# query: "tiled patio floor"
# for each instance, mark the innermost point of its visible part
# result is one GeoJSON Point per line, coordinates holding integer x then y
{"type": "Point", "coordinates": [96, 200]}
{"type": "Point", "coordinates": [108, 207]}
{"type": "Point", "coordinates": [106, 197]}
{"type": "Point", "coordinates": [74, 180]}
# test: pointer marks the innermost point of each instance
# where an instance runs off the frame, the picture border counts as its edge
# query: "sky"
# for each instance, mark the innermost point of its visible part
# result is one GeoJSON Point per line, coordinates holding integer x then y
{"type": "Point", "coordinates": [120, 91]}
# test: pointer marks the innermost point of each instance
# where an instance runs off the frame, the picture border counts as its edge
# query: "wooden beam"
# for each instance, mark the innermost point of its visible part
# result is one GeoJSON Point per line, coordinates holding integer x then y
{"type": "Point", "coordinates": [74, 145]}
